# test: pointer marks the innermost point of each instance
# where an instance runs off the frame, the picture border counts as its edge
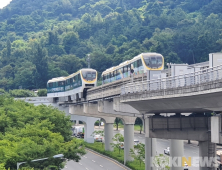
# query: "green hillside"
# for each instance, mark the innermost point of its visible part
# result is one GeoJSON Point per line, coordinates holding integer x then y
{"type": "Point", "coordinates": [43, 39]}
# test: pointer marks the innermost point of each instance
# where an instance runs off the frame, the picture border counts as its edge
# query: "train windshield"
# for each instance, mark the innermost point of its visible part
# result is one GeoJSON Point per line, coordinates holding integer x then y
{"type": "Point", "coordinates": [153, 61]}
{"type": "Point", "coordinates": [89, 75]}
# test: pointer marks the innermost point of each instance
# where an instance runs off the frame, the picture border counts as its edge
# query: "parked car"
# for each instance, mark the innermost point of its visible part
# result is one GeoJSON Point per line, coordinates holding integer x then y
{"type": "Point", "coordinates": [77, 129]}
{"type": "Point", "coordinates": [80, 135]}
{"type": "Point", "coordinates": [98, 138]}
{"type": "Point", "coordinates": [167, 151]}
{"type": "Point", "coordinates": [136, 142]}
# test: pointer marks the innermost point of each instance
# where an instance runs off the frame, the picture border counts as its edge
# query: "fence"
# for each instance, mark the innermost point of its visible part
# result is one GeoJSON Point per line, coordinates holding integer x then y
{"type": "Point", "coordinates": [210, 78]}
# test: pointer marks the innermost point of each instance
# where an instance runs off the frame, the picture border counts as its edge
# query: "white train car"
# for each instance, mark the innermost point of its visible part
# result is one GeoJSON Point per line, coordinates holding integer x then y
{"type": "Point", "coordinates": [137, 65]}
{"type": "Point", "coordinates": [73, 87]}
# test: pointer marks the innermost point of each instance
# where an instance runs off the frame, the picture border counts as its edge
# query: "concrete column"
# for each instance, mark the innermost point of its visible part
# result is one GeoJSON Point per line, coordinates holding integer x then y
{"type": "Point", "coordinates": [128, 141]}
{"type": "Point", "coordinates": [150, 151]}
{"type": "Point", "coordinates": [150, 146]}
{"type": "Point", "coordinates": [77, 122]}
{"type": "Point", "coordinates": [108, 136]}
{"type": "Point", "coordinates": [176, 150]}
{"type": "Point", "coordinates": [207, 150]}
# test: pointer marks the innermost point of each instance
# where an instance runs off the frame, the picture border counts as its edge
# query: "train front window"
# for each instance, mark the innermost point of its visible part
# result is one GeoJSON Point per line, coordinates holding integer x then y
{"type": "Point", "coordinates": [153, 61]}
{"type": "Point", "coordinates": [89, 75]}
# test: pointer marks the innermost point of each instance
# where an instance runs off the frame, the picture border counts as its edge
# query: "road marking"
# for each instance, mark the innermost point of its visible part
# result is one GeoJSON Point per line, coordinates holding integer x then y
{"type": "Point", "coordinates": [84, 156]}
{"type": "Point", "coordinates": [101, 165]}
{"type": "Point", "coordinates": [87, 169]}
{"type": "Point", "coordinates": [107, 159]}
{"type": "Point", "coordinates": [80, 164]}
{"type": "Point", "coordinates": [93, 161]}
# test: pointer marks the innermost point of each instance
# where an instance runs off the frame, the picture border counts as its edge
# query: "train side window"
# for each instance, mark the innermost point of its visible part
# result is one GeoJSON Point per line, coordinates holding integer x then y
{"type": "Point", "coordinates": [104, 77]}
{"type": "Point", "coordinates": [125, 69]}
{"type": "Point", "coordinates": [135, 64]}
{"type": "Point", "coordinates": [79, 77]}
{"type": "Point", "coordinates": [120, 70]}
{"type": "Point", "coordinates": [50, 85]}
{"type": "Point", "coordinates": [139, 63]}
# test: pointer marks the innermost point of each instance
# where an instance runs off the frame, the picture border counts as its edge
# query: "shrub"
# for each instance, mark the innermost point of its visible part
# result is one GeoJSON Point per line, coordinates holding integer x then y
{"type": "Point", "coordinates": [42, 92]}
{"type": "Point", "coordinates": [21, 93]}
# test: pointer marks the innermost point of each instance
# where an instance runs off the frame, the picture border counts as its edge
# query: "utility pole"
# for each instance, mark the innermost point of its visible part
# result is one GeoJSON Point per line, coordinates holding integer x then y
{"type": "Point", "coordinates": [88, 60]}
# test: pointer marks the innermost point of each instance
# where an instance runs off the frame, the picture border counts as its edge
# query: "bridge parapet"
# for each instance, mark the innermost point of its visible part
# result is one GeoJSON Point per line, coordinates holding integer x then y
{"type": "Point", "coordinates": [183, 84]}
{"type": "Point", "coordinates": [112, 89]}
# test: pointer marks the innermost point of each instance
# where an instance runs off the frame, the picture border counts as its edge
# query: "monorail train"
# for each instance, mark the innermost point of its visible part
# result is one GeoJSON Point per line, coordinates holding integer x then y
{"type": "Point", "coordinates": [74, 86]}
{"type": "Point", "coordinates": [139, 64]}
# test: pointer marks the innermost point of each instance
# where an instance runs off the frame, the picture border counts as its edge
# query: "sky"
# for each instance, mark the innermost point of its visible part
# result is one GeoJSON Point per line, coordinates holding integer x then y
{"type": "Point", "coordinates": [3, 3]}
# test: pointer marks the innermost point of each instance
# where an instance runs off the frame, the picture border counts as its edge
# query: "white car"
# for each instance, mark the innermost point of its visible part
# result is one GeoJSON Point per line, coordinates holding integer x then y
{"type": "Point", "coordinates": [136, 142]}
{"type": "Point", "coordinates": [186, 166]}
{"type": "Point", "coordinates": [167, 151]}
{"type": "Point", "coordinates": [98, 138]}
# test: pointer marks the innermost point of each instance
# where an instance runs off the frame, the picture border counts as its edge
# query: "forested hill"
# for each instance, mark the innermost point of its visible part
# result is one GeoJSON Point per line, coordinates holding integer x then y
{"type": "Point", "coordinates": [41, 39]}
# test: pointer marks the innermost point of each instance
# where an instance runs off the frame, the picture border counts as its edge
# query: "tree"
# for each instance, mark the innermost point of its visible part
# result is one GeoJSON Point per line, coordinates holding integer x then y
{"type": "Point", "coordinates": [71, 39]}
{"type": "Point", "coordinates": [161, 161]}
{"type": "Point", "coordinates": [140, 123]}
{"type": "Point", "coordinates": [117, 141]}
{"type": "Point", "coordinates": [9, 50]}
{"type": "Point", "coordinates": [117, 121]}
{"type": "Point", "coordinates": [138, 153]}
{"type": "Point", "coordinates": [29, 132]}
{"type": "Point", "coordinates": [41, 72]}
{"type": "Point", "coordinates": [42, 92]}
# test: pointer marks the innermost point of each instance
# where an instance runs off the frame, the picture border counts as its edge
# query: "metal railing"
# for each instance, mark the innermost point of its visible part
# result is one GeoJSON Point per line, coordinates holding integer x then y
{"type": "Point", "coordinates": [210, 78]}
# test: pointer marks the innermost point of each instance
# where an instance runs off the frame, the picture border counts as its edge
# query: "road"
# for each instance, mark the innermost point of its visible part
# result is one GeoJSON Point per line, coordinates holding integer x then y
{"type": "Point", "coordinates": [92, 161]}
{"type": "Point", "coordinates": [190, 150]}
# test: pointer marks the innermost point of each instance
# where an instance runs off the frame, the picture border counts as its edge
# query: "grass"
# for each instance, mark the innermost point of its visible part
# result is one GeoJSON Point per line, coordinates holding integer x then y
{"type": "Point", "coordinates": [120, 125]}
{"type": "Point", "coordinates": [137, 127]}
{"type": "Point", "coordinates": [99, 147]}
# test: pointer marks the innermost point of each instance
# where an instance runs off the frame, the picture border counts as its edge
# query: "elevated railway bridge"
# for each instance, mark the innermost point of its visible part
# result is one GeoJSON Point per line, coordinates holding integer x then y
{"type": "Point", "coordinates": [197, 92]}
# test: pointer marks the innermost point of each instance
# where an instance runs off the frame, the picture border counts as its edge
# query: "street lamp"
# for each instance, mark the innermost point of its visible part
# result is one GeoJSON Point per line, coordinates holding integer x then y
{"type": "Point", "coordinates": [88, 60]}
{"type": "Point", "coordinates": [35, 160]}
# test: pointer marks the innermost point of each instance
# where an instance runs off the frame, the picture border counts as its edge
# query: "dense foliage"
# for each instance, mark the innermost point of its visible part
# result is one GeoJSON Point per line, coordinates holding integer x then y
{"type": "Point", "coordinates": [44, 39]}
{"type": "Point", "coordinates": [42, 92]}
{"type": "Point", "coordinates": [29, 132]}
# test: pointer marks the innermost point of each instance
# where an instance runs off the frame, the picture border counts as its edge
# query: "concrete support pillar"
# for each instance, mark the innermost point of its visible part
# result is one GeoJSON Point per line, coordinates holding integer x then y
{"type": "Point", "coordinates": [128, 141]}
{"type": "Point", "coordinates": [207, 150]}
{"type": "Point", "coordinates": [176, 150]}
{"type": "Point", "coordinates": [150, 151]}
{"type": "Point", "coordinates": [77, 122]}
{"type": "Point", "coordinates": [108, 135]}
{"type": "Point", "coordinates": [88, 130]}
{"type": "Point", "coordinates": [150, 147]}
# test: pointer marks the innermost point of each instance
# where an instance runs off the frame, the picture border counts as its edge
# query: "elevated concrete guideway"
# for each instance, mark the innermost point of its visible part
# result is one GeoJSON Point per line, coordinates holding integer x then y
{"type": "Point", "coordinates": [195, 92]}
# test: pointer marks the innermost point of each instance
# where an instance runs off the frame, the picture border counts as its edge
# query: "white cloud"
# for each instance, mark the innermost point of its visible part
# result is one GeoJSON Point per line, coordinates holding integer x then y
{"type": "Point", "coordinates": [4, 3]}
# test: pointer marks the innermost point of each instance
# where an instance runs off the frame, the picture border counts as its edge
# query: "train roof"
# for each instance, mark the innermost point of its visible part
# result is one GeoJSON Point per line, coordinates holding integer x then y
{"type": "Point", "coordinates": [71, 75]}
{"type": "Point", "coordinates": [56, 79]}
